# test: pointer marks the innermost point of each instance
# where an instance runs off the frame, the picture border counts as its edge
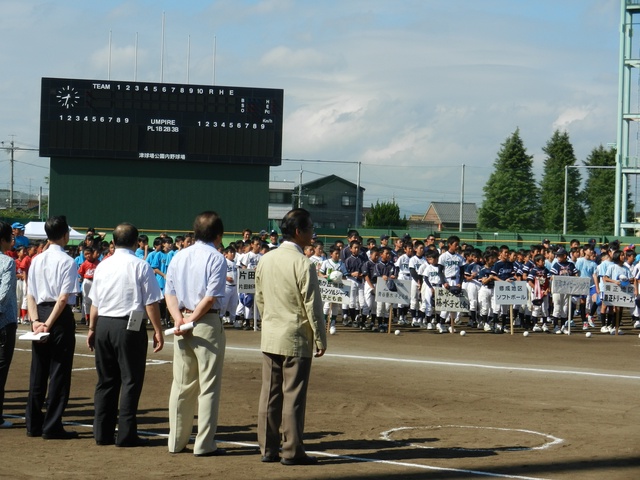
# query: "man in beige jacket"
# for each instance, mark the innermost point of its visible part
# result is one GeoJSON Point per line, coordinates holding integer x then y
{"type": "Point", "coordinates": [293, 331]}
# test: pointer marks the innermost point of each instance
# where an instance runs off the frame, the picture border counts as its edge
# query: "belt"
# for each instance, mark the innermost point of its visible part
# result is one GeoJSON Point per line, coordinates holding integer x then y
{"type": "Point", "coordinates": [213, 310]}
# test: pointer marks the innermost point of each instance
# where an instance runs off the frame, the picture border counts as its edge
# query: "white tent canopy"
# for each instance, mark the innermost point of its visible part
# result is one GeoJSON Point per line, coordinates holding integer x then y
{"type": "Point", "coordinates": [35, 231]}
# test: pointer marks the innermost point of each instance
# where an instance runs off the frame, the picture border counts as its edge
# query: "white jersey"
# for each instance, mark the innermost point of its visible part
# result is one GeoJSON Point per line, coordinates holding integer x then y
{"type": "Point", "coordinates": [232, 271]}
{"type": "Point", "coordinates": [431, 273]}
{"type": "Point", "coordinates": [251, 260]}
{"type": "Point", "coordinates": [451, 263]}
{"type": "Point", "coordinates": [403, 267]}
{"type": "Point", "coordinates": [416, 262]}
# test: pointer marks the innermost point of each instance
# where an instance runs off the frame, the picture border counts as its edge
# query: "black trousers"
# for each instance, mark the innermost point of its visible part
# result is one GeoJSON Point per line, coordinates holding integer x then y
{"type": "Point", "coordinates": [7, 346]}
{"type": "Point", "coordinates": [121, 357]}
{"type": "Point", "coordinates": [51, 363]}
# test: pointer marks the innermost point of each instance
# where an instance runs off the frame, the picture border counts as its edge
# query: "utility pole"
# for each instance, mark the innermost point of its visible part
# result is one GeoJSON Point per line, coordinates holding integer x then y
{"type": "Point", "coordinates": [11, 149]}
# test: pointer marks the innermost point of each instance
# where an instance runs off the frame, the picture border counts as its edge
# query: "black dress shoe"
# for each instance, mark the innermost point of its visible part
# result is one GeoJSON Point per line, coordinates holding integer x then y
{"type": "Point", "coordinates": [138, 442]}
{"type": "Point", "coordinates": [214, 453]}
{"type": "Point", "coordinates": [61, 435]}
{"type": "Point", "coordinates": [102, 443]}
{"type": "Point", "coordinates": [34, 434]}
{"type": "Point", "coordinates": [306, 460]}
{"type": "Point", "coordinates": [270, 458]}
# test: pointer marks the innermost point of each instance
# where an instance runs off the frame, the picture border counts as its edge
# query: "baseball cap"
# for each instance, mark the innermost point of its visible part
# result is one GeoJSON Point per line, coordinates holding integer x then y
{"type": "Point", "coordinates": [273, 232]}
{"type": "Point", "coordinates": [384, 237]}
{"type": "Point", "coordinates": [263, 232]}
{"type": "Point", "coordinates": [561, 251]}
{"type": "Point", "coordinates": [18, 225]}
{"type": "Point", "coordinates": [630, 248]}
{"type": "Point", "coordinates": [592, 241]}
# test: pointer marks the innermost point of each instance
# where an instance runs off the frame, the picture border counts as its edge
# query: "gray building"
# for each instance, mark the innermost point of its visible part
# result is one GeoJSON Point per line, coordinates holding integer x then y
{"type": "Point", "coordinates": [332, 202]}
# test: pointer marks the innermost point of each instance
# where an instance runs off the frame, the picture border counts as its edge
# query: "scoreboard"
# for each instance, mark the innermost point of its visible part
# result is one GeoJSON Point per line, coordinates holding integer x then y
{"type": "Point", "coordinates": [160, 122]}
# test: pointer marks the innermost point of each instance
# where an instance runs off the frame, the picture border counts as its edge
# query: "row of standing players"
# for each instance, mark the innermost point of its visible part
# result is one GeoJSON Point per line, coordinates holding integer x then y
{"type": "Point", "coordinates": [456, 266]}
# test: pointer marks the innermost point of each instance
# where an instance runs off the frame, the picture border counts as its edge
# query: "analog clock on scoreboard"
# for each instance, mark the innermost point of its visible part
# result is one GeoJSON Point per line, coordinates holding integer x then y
{"type": "Point", "coordinates": [160, 121]}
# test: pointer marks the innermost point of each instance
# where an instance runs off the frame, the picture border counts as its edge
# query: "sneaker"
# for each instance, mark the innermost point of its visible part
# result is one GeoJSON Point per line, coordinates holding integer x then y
{"type": "Point", "coordinates": [480, 325]}
{"type": "Point", "coordinates": [545, 328]}
{"type": "Point", "coordinates": [424, 324]}
{"type": "Point", "coordinates": [620, 332]}
{"type": "Point", "coordinates": [401, 322]}
{"type": "Point", "coordinates": [564, 330]}
{"type": "Point", "coordinates": [429, 326]}
{"type": "Point", "coordinates": [590, 322]}
{"type": "Point", "coordinates": [506, 329]}
{"type": "Point", "coordinates": [537, 328]}
{"type": "Point", "coordinates": [6, 424]}
{"type": "Point", "coordinates": [332, 324]}
{"type": "Point", "coordinates": [557, 330]}
{"type": "Point", "coordinates": [585, 326]}
{"type": "Point", "coordinates": [439, 328]}
{"type": "Point", "coordinates": [383, 328]}
{"type": "Point", "coordinates": [415, 322]}
{"type": "Point", "coordinates": [237, 324]}
{"type": "Point", "coordinates": [487, 327]}
{"type": "Point", "coordinates": [636, 324]}
{"type": "Point", "coordinates": [451, 329]}
{"type": "Point", "coordinates": [604, 329]}
{"type": "Point", "coordinates": [498, 329]}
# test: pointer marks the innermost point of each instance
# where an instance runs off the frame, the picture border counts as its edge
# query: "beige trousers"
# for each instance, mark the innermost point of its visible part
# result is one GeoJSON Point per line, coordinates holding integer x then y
{"type": "Point", "coordinates": [197, 374]}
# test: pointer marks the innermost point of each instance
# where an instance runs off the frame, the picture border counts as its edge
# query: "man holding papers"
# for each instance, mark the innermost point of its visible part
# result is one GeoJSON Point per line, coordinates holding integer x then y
{"type": "Point", "coordinates": [124, 294]}
{"type": "Point", "coordinates": [195, 289]}
{"type": "Point", "coordinates": [51, 291]}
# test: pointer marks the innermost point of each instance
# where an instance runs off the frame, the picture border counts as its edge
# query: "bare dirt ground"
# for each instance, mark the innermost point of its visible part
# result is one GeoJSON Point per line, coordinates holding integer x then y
{"type": "Point", "coordinates": [414, 406]}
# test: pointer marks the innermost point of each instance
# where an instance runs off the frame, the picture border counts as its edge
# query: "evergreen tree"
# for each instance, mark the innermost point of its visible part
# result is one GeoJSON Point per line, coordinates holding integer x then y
{"type": "Point", "coordinates": [560, 155]}
{"type": "Point", "coordinates": [599, 191]}
{"type": "Point", "coordinates": [385, 214]}
{"type": "Point", "coordinates": [511, 194]}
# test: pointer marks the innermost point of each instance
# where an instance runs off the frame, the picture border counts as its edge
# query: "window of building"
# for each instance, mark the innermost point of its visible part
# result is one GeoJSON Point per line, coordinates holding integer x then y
{"type": "Point", "coordinates": [348, 201]}
{"type": "Point", "coordinates": [315, 199]}
{"type": "Point", "coordinates": [281, 197]}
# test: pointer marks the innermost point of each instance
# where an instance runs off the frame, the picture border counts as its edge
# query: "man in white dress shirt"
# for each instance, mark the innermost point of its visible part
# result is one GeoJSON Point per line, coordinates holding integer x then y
{"type": "Point", "coordinates": [195, 292]}
{"type": "Point", "coordinates": [124, 295]}
{"type": "Point", "coordinates": [51, 291]}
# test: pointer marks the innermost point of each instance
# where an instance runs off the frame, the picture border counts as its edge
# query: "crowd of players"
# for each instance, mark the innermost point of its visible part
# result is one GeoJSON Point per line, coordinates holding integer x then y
{"type": "Point", "coordinates": [426, 264]}
{"type": "Point", "coordinates": [459, 267]}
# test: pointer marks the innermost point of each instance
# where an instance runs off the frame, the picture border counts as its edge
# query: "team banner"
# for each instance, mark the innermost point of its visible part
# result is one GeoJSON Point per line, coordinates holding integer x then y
{"type": "Point", "coordinates": [570, 285]}
{"type": "Point", "coordinates": [246, 280]}
{"type": "Point", "coordinates": [511, 293]}
{"type": "Point", "coordinates": [393, 291]}
{"type": "Point", "coordinates": [616, 296]}
{"type": "Point", "coordinates": [334, 292]}
{"type": "Point", "coordinates": [445, 301]}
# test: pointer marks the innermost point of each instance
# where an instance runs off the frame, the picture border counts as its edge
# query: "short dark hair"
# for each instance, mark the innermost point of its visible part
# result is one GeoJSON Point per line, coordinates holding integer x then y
{"type": "Point", "coordinates": [125, 235]}
{"type": "Point", "coordinates": [143, 238]}
{"type": "Point", "coordinates": [5, 231]}
{"type": "Point", "coordinates": [56, 227]}
{"type": "Point", "coordinates": [208, 226]}
{"type": "Point", "coordinates": [296, 219]}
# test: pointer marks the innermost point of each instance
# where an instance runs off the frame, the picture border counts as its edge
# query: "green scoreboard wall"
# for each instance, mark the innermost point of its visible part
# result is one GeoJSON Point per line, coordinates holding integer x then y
{"type": "Point", "coordinates": [159, 195]}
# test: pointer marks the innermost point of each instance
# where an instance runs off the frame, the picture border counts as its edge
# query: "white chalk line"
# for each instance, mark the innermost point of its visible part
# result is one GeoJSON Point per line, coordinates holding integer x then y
{"type": "Point", "coordinates": [339, 456]}
{"type": "Point", "coordinates": [552, 441]}
{"type": "Point", "coordinates": [367, 358]}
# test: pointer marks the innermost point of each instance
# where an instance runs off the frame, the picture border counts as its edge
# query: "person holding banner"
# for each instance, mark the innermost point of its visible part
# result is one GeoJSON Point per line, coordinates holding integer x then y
{"type": "Point", "coordinates": [561, 302]}
{"type": "Point", "coordinates": [452, 265]}
{"type": "Point", "coordinates": [538, 280]}
{"type": "Point", "coordinates": [431, 278]}
{"type": "Point", "coordinates": [618, 274]}
{"type": "Point", "coordinates": [370, 277]}
{"type": "Point", "coordinates": [486, 301]}
{"type": "Point", "coordinates": [385, 271]}
{"type": "Point", "coordinates": [327, 267]}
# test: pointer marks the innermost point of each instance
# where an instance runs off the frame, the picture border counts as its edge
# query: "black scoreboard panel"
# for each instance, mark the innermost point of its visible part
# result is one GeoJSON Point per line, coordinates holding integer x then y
{"type": "Point", "coordinates": [160, 121]}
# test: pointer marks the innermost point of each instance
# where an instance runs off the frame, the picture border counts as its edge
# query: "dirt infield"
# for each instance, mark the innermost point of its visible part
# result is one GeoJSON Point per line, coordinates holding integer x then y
{"type": "Point", "coordinates": [415, 406]}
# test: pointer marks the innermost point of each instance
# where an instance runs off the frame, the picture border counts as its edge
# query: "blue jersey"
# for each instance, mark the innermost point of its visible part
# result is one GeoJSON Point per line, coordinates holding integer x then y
{"type": "Point", "coordinates": [503, 270]}
{"type": "Point", "coordinates": [564, 269]}
{"type": "Point", "coordinates": [485, 272]}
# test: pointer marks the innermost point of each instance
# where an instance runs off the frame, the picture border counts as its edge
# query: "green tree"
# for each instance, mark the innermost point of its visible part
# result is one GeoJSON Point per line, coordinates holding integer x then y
{"type": "Point", "coordinates": [599, 192]}
{"type": "Point", "coordinates": [385, 214]}
{"type": "Point", "coordinates": [511, 194]}
{"type": "Point", "coordinates": [560, 154]}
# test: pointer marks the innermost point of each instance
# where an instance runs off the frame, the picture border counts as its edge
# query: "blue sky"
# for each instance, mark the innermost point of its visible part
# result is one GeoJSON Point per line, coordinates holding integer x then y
{"type": "Point", "coordinates": [411, 89]}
